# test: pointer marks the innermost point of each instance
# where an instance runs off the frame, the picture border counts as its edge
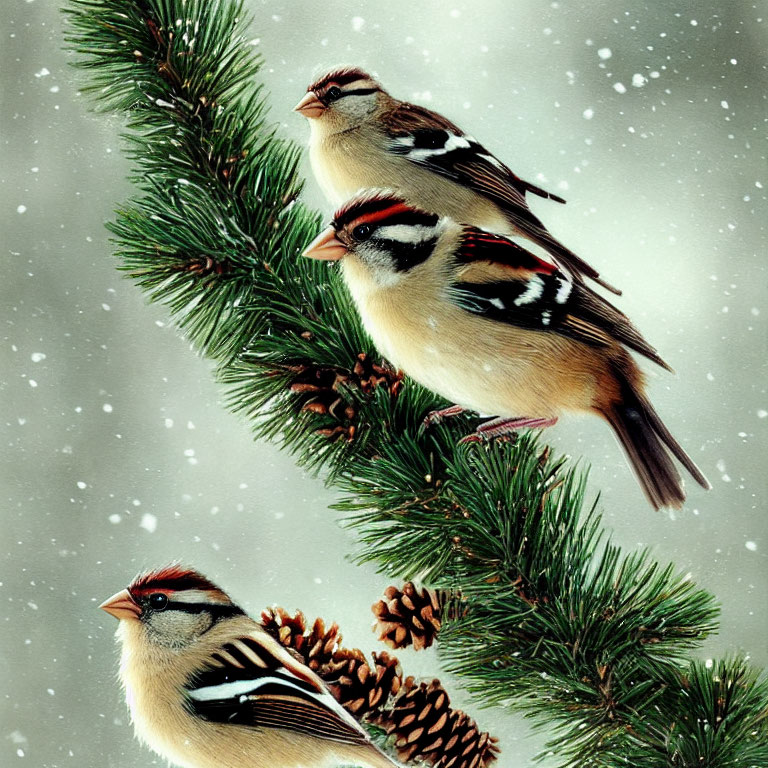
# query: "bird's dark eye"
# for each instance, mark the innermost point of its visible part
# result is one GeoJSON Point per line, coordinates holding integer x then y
{"type": "Point", "coordinates": [362, 232]}
{"type": "Point", "coordinates": [334, 93]}
{"type": "Point", "coordinates": [158, 601]}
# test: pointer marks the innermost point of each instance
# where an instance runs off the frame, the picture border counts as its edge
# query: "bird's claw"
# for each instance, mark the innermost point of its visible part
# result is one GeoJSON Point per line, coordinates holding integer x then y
{"type": "Point", "coordinates": [436, 417]}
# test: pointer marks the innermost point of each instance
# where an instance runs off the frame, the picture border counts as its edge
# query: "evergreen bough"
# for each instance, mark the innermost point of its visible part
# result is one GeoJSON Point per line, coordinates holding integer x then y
{"type": "Point", "coordinates": [590, 642]}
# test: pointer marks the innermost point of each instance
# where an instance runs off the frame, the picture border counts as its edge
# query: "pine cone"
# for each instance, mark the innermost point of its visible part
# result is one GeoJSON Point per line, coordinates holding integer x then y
{"type": "Point", "coordinates": [282, 626]}
{"type": "Point", "coordinates": [370, 375]}
{"type": "Point", "coordinates": [426, 728]}
{"type": "Point", "coordinates": [360, 688]}
{"type": "Point", "coordinates": [408, 616]}
{"type": "Point", "coordinates": [202, 266]}
{"type": "Point", "coordinates": [320, 390]}
{"type": "Point", "coordinates": [316, 648]}
{"type": "Point", "coordinates": [467, 746]}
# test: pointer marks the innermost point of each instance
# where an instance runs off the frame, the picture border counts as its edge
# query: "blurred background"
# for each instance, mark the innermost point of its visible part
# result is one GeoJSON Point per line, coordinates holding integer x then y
{"type": "Point", "coordinates": [117, 453]}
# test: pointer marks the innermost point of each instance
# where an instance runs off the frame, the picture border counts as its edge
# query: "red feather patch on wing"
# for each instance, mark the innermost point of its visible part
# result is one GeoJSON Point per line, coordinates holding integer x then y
{"type": "Point", "coordinates": [477, 245]}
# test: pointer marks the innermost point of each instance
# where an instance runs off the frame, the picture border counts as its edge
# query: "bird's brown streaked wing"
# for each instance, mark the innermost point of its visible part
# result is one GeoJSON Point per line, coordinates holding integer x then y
{"type": "Point", "coordinates": [478, 249]}
{"type": "Point", "coordinates": [251, 680]}
{"type": "Point", "coordinates": [430, 141]}
{"type": "Point", "coordinates": [502, 281]}
{"type": "Point", "coordinates": [595, 320]}
{"type": "Point", "coordinates": [282, 709]}
{"type": "Point", "coordinates": [505, 189]}
{"type": "Point", "coordinates": [466, 161]}
{"type": "Point", "coordinates": [405, 118]}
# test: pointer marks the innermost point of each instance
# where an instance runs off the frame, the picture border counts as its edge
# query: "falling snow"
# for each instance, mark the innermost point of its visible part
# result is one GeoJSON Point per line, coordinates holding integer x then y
{"type": "Point", "coordinates": [683, 200]}
{"type": "Point", "coordinates": [148, 522]}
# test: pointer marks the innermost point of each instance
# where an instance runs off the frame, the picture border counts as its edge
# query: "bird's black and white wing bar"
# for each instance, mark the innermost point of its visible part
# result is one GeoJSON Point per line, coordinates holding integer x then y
{"type": "Point", "coordinates": [245, 683]}
{"type": "Point", "coordinates": [499, 279]}
{"type": "Point", "coordinates": [430, 141]}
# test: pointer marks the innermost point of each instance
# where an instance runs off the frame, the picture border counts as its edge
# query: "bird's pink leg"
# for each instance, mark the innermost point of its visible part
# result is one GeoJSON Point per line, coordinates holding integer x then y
{"type": "Point", "coordinates": [435, 417]}
{"type": "Point", "coordinates": [505, 426]}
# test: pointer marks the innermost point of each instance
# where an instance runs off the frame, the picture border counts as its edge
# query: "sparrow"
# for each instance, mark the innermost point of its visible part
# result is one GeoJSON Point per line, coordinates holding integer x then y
{"type": "Point", "coordinates": [362, 137]}
{"type": "Point", "coordinates": [491, 327]}
{"type": "Point", "coordinates": [208, 687]}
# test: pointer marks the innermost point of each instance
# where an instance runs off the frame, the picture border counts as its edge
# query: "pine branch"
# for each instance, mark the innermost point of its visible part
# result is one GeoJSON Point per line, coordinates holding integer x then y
{"type": "Point", "coordinates": [588, 640]}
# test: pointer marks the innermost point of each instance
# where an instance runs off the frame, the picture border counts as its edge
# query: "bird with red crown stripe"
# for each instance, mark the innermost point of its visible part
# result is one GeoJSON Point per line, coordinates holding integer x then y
{"type": "Point", "coordinates": [208, 687]}
{"type": "Point", "coordinates": [362, 137]}
{"type": "Point", "coordinates": [493, 328]}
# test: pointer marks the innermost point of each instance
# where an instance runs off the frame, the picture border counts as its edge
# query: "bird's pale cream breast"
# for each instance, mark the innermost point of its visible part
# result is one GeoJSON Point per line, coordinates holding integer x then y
{"type": "Point", "coordinates": [487, 366]}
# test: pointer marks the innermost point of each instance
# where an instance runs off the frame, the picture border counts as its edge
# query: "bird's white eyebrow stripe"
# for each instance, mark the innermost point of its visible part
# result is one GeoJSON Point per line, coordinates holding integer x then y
{"type": "Point", "coordinates": [406, 233]}
{"type": "Point", "coordinates": [349, 86]}
{"type": "Point", "coordinates": [196, 596]}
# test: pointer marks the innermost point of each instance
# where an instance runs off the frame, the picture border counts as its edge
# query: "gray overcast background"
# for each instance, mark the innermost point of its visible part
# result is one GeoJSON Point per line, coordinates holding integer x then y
{"type": "Point", "coordinates": [117, 453]}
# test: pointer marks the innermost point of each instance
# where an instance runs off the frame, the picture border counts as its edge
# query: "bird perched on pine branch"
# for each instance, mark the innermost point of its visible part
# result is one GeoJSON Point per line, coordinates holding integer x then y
{"type": "Point", "coordinates": [362, 137]}
{"type": "Point", "coordinates": [491, 327]}
{"type": "Point", "coordinates": [209, 688]}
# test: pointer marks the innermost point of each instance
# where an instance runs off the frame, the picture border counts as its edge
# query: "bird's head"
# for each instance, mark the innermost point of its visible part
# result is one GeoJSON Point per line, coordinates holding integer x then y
{"type": "Point", "coordinates": [172, 606]}
{"type": "Point", "coordinates": [341, 99]}
{"type": "Point", "coordinates": [381, 234]}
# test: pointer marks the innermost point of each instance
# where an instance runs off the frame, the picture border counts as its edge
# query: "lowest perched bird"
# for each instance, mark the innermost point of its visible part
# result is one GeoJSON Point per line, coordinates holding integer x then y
{"type": "Point", "coordinates": [209, 688]}
{"type": "Point", "coordinates": [361, 137]}
{"type": "Point", "coordinates": [491, 327]}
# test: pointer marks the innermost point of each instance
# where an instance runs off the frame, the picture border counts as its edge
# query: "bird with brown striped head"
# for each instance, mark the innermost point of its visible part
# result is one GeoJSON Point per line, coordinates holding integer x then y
{"type": "Point", "coordinates": [342, 99]}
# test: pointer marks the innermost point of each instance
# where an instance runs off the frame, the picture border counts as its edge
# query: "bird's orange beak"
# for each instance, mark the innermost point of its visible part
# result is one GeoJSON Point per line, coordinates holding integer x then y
{"type": "Point", "coordinates": [122, 606]}
{"type": "Point", "coordinates": [310, 106]}
{"type": "Point", "coordinates": [326, 246]}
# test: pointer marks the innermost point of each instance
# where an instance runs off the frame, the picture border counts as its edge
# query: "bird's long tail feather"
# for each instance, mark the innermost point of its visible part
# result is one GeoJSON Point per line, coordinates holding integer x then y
{"type": "Point", "coordinates": [650, 446]}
